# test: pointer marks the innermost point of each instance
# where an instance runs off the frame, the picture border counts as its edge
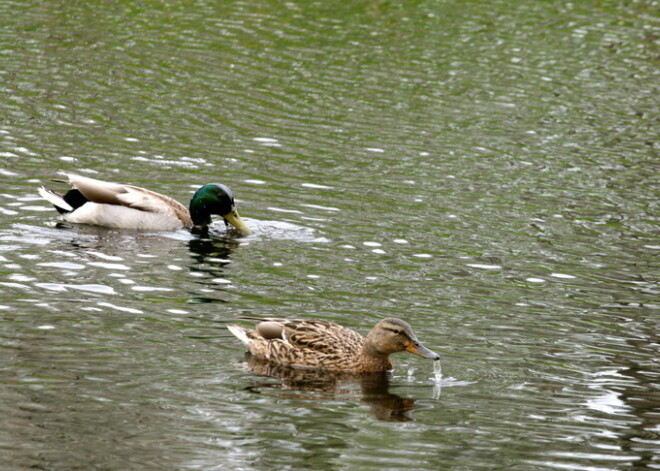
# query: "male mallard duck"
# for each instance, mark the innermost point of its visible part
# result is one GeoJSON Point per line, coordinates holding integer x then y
{"type": "Point", "coordinates": [119, 206]}
{"type": "Point", "coordinates": [329, 346]}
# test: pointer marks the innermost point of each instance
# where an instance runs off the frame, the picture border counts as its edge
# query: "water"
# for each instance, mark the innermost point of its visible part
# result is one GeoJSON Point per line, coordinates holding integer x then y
{"type": "Point", "coordinates": [487, 173]}
{"type": "Point", "coordinates": [437, 371]}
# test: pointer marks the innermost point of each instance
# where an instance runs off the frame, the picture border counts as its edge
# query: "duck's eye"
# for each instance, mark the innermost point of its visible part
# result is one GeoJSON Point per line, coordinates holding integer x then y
{"type": "Point", "coordinates": [394, 331]}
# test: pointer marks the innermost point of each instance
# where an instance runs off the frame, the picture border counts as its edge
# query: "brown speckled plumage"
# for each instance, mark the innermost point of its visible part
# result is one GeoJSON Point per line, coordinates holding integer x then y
{"type": "Point", "coordinates": [329, 346]}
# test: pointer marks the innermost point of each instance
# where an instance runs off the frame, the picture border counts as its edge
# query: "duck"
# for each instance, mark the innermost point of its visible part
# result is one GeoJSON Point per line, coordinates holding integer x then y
{"type": "Point", "coordinates": [119, 206]}
{"type": "Point", "coordinates": [324, 345]}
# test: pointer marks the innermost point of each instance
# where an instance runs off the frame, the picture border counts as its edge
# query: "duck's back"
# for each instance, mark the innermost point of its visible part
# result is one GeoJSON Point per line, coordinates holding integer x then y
{"type": "Point", "coordinates": [307, 343]}
{"type": "Point", "coordinates": [126, 206]}
{"type": "Point", "coordinates": [322, 336]}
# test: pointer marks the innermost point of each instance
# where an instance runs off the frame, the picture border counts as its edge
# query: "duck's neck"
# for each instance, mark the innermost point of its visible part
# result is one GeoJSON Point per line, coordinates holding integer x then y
{"type": "Point", "coordinates": [371, 360]}
{"type": "Point", "coordinates": [199, 212]}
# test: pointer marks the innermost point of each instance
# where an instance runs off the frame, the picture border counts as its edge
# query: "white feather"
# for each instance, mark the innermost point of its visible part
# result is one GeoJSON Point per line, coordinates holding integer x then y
{"type": "Point", "coordinates": [240, 334]}
{"type": "Point", "coordinates": [286, 341]}
{"type": "Point", "coordinates": [55, 199]}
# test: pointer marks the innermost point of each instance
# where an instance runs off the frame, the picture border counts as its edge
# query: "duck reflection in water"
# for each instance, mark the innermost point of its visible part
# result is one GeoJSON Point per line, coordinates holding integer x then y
{"type": "Point", "coordinates": [313, 384]}
{"type": "Point", "coordinates": [209, 261]}
{"type": "Point", "coordinates": [213, 249]}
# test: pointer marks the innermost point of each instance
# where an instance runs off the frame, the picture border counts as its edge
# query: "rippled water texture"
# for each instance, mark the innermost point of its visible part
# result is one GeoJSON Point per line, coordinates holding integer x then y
{"type": "Point", "coordinates": [487, 171]}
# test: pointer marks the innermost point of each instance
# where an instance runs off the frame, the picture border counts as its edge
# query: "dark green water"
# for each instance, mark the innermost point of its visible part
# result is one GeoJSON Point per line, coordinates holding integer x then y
{"type": "Point", "coordinates": [487, 171]}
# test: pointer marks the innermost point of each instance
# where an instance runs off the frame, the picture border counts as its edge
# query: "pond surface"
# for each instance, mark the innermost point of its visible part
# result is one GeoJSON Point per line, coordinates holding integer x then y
{"type": "Point", "coordinates": [486, 171]}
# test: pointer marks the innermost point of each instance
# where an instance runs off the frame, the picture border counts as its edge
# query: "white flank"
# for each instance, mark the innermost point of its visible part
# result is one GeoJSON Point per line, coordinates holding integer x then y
{"type": "Point", "coordinates": [122, 217]}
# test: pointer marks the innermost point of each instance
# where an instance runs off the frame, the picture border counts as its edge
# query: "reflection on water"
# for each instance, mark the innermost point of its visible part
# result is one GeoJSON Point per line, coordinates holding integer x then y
{"type": "Point", "coordinates": [372, 389]}
{"type": "Point", "coordinates": [639, 396]}
{"type": "Point", "coordinates": [217, 250]}
{"type": "Point", "coordinates": [486, 174]}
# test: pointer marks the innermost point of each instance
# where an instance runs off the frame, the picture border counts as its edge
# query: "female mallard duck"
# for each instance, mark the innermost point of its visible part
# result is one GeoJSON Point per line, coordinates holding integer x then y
{"type": "Point", "coordinates": [119, 206]}
{"type": "Point", "coordinates": [329, 346]}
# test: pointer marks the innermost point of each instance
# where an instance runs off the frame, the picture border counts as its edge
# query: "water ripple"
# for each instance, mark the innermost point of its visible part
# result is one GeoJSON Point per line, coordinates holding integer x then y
{"type": "Point", "coordinates": [484, 173]}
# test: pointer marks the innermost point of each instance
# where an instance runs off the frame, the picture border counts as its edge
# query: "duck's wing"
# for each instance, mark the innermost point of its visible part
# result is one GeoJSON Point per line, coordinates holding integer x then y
{"type": "Point", "coordinates": [97, 191]}
{"type": "Point", "coordinates": [103, 192]}
{"type": "Point", "coordinates": [313, 335]}
{"type": "Point", "coordinates": [322, 336]}
{"type": "Point", "coordinates": [300, 354]}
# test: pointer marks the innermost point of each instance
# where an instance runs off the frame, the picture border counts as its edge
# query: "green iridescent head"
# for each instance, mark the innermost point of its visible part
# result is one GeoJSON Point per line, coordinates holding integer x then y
{"type": "Point", "coordinates": [218, 199]}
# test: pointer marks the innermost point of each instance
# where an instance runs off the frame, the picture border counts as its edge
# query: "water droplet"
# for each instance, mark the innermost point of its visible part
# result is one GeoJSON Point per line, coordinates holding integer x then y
{"type": "Point", "coordinates": [437, 371]}
{"type": "Point", "coordinates": [411, 374]}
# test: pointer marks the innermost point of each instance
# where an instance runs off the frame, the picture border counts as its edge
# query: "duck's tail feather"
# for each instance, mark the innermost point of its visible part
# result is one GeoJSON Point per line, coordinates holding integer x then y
{"type": "Point", "coordinates": [72, 200]}
{"type": "Point", "coordinates": [240, 333]}
{"type": "Point", "coordinates": [56, 200]}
